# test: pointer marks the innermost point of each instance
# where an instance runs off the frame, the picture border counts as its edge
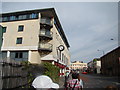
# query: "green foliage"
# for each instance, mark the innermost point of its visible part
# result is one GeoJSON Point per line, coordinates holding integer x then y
{"type": "Point", "coordinates": [94, 60]}
{"type": "Point", "coordinates": [45, 68]}
{"type": "Point", "coordinates": [52, 71]}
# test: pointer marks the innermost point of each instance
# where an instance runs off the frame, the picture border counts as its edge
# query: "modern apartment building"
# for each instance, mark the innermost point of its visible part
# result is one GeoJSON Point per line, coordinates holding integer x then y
{"type": "Point", "coordinates": [35, 36]}
{"type": "Point", "coordinates": [77, 65]}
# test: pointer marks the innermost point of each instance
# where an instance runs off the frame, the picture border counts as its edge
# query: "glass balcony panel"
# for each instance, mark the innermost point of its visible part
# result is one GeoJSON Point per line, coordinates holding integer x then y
{"type": "Point", "coordinates": [42, 31]}
{"type": "Point", "coordinates": [46, 21]}
{"type": "Point", "coordinates": [45, 32]}
{"type": "Point", "coordinates": [45, 46]}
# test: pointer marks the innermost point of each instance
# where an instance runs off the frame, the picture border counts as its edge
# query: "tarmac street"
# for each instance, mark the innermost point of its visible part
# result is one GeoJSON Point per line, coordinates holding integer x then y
{"type": "Point", "coordinates": [94, 81]}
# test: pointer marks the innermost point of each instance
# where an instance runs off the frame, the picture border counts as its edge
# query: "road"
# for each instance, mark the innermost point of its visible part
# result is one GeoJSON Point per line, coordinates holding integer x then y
{"type": "Point", "coordinates": [98, 81]}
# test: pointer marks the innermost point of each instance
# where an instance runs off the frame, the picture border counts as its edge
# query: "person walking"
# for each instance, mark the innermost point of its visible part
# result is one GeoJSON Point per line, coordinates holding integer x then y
{"type": "Point", "coordinates": [74, 84]}
{"type": "Point", "coordinates": [66, 78]}
{"type": "Point", "coordinates": [81, 81]}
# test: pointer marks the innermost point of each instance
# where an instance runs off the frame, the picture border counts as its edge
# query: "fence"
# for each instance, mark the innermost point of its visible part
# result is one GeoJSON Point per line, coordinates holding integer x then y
{"type": "Point", "coordinates": [13, 74]}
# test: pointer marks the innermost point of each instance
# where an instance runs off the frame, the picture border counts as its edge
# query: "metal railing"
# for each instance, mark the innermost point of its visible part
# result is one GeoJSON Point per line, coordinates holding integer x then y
{"type": "Point", "coordinates": [45, 46]}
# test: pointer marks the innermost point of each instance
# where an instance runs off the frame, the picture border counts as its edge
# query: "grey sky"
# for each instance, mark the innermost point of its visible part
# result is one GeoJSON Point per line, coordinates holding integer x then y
{"type": "Point", "coordinates": [89, 26]}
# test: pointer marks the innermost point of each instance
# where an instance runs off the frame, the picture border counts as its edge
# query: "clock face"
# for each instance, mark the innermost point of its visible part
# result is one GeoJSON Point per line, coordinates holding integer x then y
{"type": "Point", "coordinates": [61, 47]}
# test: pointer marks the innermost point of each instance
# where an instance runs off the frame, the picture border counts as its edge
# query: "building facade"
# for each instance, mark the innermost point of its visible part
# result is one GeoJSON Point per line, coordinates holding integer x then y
{"type": "Point", "coordinates": [110, 63]}
{"type": "Point", "coordinates": [94, 66]}
{"type": "Point", "coordinates": [77, 65]}
{"type": "Point", "coordinates": [90, 67]}
{"type": "Point", "coordinates": [35, 36]}
{"type": "Point", "coordinates": [97, 66]}
{"type": "Point", "coordinates": [1, 35]}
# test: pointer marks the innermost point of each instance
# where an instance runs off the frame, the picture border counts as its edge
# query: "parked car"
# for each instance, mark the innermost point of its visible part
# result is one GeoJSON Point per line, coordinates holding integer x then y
{"type": "Point", "coordinates": [84, 72]}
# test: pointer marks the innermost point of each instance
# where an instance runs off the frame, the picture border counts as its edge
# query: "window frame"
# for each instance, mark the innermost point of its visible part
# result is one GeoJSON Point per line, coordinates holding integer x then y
{"type": "Point", "coordinates": [4, 29]}
{"type": "Point", "coordinates": [19, 42]}
{"type": "Point", "coordinates": [20, 28]}
{"type": "Point", "coordinates": [18, 55]}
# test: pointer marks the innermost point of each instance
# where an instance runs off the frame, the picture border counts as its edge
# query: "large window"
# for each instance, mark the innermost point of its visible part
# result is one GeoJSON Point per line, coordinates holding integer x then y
{"type": "Point", "coordinates": [20, 28]}
{"type": "Point", "coordinates": [19, 55]}
{"type": "Point", "coordinates": [19, 40]}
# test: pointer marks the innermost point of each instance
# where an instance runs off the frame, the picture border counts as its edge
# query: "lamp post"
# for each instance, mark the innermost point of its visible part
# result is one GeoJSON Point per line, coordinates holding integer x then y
{"type": "Point", "coordinates": [61, 48]}
{"type": "Point", "coordinates": [102, 52]}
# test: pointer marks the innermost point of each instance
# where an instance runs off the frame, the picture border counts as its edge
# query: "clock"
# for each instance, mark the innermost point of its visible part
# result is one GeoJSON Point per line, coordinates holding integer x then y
{"type": "Point", "coordinates": [61, 47]}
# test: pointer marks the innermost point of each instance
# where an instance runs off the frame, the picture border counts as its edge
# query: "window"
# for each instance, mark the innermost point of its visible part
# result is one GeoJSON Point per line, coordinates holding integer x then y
{"type": "Point", "coordinates": [4, 29]}
{"type": "Point", "coordinates": [62, 57]}
{"type": "Point", "coordinates": [0, 19]}
{"type": "Point", "coordinates": [5, 19]}
{"type": "Point", "coordinates": [20, 28]}
{"type": "Point", "coordinates": [18, 55]}
{"type": "Point", "coordinates": [19, 40]}
{"type": "Point", "coordinates": [4, 54]}
{"type": "Point", "coordinates": [24, 17]}
{"type": "Point", "coordinates": [33, 15]}
{"type": "Point", "coordinates": [12, 17]}
{"type": "Point", "coordinates": [20, 17]}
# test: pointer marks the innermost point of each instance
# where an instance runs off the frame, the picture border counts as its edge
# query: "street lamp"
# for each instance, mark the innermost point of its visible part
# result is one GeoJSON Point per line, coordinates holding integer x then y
{"type": "Point", "coordinates": [102, 52]}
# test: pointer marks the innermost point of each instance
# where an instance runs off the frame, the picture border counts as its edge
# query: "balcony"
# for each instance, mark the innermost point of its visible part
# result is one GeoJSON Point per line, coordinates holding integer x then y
{"type": "Point", "coordinates": [46, 34]}
{"type": "Point", "coordinates": [45, 47]}
{"type": "Point", "coordinates": [46, 21]}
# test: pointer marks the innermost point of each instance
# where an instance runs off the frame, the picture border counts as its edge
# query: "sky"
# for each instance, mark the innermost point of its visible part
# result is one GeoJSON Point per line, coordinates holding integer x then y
{"type": "Point", "coordinates": [88, 26]}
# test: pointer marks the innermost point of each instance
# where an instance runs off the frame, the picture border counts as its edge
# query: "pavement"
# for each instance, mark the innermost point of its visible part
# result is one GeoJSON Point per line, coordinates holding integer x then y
{"type": "Point", "coordinates": [62, 81]}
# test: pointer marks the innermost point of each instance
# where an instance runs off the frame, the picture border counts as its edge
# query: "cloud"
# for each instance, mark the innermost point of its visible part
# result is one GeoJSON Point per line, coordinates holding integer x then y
{"type": "Point", "coordinates": [88, 26]}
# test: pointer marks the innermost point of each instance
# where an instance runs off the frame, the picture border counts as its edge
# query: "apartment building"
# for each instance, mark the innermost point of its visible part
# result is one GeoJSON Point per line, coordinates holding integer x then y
{"type": "Point", "coordinates": [110, 63]}
{"type": "Point", "coordinates": [35, 36]}
{"type": "Point", "coordinates": [77, 65]}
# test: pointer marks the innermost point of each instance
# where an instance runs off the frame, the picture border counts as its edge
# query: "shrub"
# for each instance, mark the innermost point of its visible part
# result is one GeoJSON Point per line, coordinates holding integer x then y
{"type": "Point", "coordinates": [52, 71]}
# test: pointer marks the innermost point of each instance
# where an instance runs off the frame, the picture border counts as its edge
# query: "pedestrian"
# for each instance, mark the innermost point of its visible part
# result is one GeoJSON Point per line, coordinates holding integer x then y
{"type": "Point", "coordinates": [67, 74]}
{"type": "Point", "coordinates": [44, 82]}
{"type": "Point", "coordinates": [74, 84]}
{"type": "Point", "coordinates": [66, 78]}
{"type": "Point", "coordinates": [81, 81]}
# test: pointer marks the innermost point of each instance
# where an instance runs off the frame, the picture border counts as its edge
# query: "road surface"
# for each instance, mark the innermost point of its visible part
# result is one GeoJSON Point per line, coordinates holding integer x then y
{"type": "Point", "coordinates": [98, 81]}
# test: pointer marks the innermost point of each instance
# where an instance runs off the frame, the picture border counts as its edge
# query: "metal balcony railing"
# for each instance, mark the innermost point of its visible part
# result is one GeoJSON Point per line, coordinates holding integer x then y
{"type": "Point", "coordinates": [47, 21]}
{"type": "Point", "coordinates": [46, 33]}
{"type": "Point", "coordinates": [45, 47]}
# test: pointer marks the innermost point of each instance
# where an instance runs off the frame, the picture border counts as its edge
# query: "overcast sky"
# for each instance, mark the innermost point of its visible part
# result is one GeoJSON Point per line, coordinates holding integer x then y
{"type": "Point", "coordinates": [88, 26]}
